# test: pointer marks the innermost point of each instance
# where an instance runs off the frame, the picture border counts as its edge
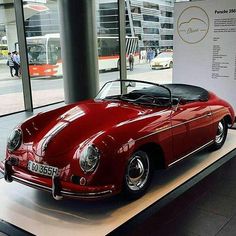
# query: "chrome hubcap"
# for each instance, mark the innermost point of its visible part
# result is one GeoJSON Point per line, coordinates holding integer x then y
{"type": "Point", "coordinates": [138, 171]}
{"type": "Point", "coordinates": [220, 133]}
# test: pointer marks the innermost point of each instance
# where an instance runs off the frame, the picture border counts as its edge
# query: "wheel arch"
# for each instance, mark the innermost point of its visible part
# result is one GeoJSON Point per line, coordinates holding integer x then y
{"type": "Point", "coordinates": [155, 153]}
{"type": "Point", "coordinates": [228, 120]}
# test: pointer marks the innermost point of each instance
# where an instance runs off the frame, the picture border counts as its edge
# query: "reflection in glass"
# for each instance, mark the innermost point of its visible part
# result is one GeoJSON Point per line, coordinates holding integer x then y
{"type": "Point", "coordinates": [108, 40]}
{"type": "Point", "coordinates": [11, 91]}
{"type": "Point", "coordinates": [44, 52]}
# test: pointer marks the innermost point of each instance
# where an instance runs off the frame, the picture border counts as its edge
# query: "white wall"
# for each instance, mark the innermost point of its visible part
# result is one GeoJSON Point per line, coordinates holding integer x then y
{"type": "Point", "coordinates": [204, 46]}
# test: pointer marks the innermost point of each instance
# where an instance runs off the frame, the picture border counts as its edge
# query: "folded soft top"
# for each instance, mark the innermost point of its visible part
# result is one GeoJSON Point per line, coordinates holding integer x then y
{"type": "Point", "coordinates": [184, 91]}
{"type": "Point", "coordinates": [188, 92]}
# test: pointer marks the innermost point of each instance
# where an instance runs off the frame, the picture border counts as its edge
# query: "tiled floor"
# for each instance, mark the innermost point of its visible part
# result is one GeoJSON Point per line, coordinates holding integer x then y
{"type": "Point", "coordinates": [208, 208]}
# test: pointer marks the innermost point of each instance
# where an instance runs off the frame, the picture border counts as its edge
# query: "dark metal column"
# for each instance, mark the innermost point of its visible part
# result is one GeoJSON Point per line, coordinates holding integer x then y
{"type": "Point", "coordinates": [79, 49]}
{"type": "Point", "coordinates": [20, 25]}
{"type": "Point", "coordinates": [122, 35]}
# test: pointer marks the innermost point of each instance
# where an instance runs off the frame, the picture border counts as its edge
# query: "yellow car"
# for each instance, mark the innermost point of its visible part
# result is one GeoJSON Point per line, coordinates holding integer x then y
{"type": "Point", "coordinates": [3, 50]}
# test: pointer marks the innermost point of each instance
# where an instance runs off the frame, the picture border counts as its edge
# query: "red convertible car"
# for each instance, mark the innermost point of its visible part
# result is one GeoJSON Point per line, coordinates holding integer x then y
{"type": "Point", "coordinates": [112, 144]}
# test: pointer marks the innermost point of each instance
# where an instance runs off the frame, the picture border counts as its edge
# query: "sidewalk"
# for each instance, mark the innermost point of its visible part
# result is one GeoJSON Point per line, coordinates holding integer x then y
{"type": "Point", "coordinates": [5, 72]}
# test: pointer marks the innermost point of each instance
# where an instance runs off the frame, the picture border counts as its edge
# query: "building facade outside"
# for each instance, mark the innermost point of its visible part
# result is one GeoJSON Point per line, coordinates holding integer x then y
{"type": "Point", "coordinates": [151, 21]}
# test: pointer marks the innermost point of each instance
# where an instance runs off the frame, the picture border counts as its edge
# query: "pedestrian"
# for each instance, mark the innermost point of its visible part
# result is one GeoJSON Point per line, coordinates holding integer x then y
{"type": "Point", "coordinates": [10, 63]}
{"type": "Point", "coordinates": [131, 61]}
{"type": "Point", "coordinates": [16, 61]}
{"type": "Point", "coordinates": [149, 55]}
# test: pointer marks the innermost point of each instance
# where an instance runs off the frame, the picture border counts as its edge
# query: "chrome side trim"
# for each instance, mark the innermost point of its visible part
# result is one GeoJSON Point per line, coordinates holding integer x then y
{"type": "Point", "coordinates": [194, 119]}
{"type": "Point", "coordinates": [174, 126]}
{"type": "Point", "coordinates": [159, 131]}
{"type": "Point", "coordinates": [63, 192]}
{"type": "Point", "coordinates": [191, 153]}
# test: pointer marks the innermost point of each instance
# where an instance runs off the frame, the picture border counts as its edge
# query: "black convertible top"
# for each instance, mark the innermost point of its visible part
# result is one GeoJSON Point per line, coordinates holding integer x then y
{"type": "Point", "coordinates": [188, 92]}
{"type": "Point", "coordinates": [184, 91]}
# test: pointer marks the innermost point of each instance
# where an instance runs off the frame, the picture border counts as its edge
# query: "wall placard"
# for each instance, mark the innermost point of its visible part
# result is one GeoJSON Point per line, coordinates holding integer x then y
{"type": "Point", "coordinates": [205, 46]}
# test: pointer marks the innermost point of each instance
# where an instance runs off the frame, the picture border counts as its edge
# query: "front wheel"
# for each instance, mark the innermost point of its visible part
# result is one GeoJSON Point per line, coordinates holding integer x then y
{"type": "Point", "coordinates": [220, 135]}
{"type": "Point", "coordinates": [138, 175]}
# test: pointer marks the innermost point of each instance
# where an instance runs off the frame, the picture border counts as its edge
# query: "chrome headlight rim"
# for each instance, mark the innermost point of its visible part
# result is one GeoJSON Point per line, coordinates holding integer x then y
{"type": "Point", "coordinates": [84, 159]}
{"type": "Point", "coordinates": [14, 140]}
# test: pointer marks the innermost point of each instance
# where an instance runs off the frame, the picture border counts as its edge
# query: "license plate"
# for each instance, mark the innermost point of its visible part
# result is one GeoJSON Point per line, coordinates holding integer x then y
{"type": "Point", "coordinates": [42, 169]}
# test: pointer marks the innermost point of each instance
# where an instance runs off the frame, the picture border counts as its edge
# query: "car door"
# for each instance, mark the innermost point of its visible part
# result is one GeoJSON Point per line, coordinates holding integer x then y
{"type": "Point", "coordinates": [192, 128]}
{"type": "Point", "coordinates": [201, 126]}
{"type": "Point", "coordinates": [180, 132]}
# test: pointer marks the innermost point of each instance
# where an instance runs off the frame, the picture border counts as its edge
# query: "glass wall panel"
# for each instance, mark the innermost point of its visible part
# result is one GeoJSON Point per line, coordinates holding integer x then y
{"type": "Point", "coordinates": [11, 94]}
{"type": "Point", "coordinates": [154, 34]}
{"type": "Point", "coordinates": [108, 40]}
{"type": "Point", "coordinates": [44, 51]}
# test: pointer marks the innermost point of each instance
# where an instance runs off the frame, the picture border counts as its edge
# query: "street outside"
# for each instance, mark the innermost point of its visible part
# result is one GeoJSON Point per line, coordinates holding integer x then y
{"type": "Point", "coordinates": [46, 91]}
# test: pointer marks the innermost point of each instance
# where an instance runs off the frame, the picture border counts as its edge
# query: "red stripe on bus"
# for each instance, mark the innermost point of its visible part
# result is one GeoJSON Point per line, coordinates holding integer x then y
{"type": "Point", "coordinates": [114, 57]}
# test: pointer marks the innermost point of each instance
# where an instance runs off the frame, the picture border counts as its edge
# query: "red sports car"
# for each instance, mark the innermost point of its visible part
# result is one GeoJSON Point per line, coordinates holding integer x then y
{"type": "Point", "coordinates": [113, 143]}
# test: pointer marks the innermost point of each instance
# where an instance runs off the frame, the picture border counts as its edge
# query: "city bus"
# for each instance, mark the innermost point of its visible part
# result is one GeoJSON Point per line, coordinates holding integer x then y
{"type": "Point", "coordinates": [44, 54]}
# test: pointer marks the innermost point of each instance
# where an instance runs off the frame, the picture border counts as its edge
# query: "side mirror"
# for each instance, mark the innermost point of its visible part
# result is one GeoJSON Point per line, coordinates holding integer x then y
{"type": "Point", "coordinates": [130, 84]}
{"type": "Point", "coordinates": [182, 101]}
{"type": "Point", "coordinates": [177, 102]}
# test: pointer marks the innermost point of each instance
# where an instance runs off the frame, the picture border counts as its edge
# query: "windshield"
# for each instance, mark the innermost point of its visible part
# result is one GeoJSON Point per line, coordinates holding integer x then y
{"type": "Point", "coordinates": [165, 54]}
{"type": "Point", "coordinates": [138, 92]}
{"type": "Point", "coordinates": [37, 54]}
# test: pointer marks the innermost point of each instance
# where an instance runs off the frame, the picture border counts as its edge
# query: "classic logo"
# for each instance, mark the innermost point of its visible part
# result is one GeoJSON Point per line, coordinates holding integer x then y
{"type": "Point", "coordinates": [193, 25]}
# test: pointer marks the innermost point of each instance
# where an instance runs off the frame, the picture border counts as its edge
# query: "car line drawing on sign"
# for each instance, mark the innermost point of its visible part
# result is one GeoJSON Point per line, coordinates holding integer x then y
{"type": "Point", "coordinates": [193, 25]}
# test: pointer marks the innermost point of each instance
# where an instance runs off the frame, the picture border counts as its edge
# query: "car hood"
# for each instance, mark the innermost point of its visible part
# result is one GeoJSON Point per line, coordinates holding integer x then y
{"type": "Point", "coordinates": [76, 124]}
{"type": "Point", "coordinates": [163, 59]}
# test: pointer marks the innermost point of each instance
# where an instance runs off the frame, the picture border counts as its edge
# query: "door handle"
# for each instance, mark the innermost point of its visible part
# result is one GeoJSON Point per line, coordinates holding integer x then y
{"type": "Point", "coordinates": [209, 114]}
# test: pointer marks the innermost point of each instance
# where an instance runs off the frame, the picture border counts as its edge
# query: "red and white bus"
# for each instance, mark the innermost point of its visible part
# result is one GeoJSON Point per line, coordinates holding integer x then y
{"type": "Point", "coordinates": [44, 53]}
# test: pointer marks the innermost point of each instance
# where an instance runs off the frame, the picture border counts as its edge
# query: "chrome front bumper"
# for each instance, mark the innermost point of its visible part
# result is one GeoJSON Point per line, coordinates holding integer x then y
{"type": "Point", "coordinates": [57, 191]}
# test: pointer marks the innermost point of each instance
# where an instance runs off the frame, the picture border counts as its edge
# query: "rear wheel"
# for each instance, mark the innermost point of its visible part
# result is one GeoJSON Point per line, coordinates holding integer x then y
{"type": "Point", "coordinates": [220, 135]}
{"type": "Point", "coordinates": [138, 175]}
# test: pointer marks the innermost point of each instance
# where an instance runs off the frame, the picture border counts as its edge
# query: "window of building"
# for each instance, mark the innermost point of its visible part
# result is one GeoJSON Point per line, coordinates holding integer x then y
{"type": "Point", "coordinates": [108, 12]}
{"type": "Point", "coordinates": [109, 18]}
{"type": "Point", "coordinates": [150, 30]}
{"type": "Point", "coordinates": [109, 24]}
{"type": "Point", "coordinates": [151, 43]}
{"type": "Point", "coordinates": [166, 37]}
{"type": "Point", "coordinates": [166, 26]}
{"type": "Point", "coordinates": [150, 18]}
{"type": "Point", "coordinates": [167, 13]}
{"type": "Point", "coordinates": [137, 23]}
{"type": "Point", "coordinates": [112, 5]}
{"type": "Point", "coordinates": [151, 5]}
{"type": "Point", "coordinates": [136, 10]}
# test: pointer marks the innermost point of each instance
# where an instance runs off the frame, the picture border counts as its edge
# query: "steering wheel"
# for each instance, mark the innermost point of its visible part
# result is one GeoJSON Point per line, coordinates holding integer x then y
{"type": "Point", "coordinates": [154, 100]}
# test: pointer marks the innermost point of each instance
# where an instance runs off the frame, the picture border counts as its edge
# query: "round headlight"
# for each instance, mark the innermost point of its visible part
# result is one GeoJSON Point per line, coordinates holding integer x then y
{"type": "Point", "coordinates": [14, 140]}
{"type": "Point", "coordinates": [89, 159]}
